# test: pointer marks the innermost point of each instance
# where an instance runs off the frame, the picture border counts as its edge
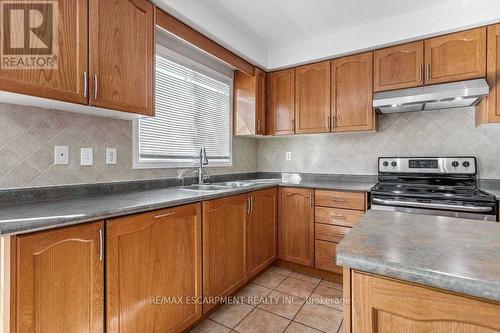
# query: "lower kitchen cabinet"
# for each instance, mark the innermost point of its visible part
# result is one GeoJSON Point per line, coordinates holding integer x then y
{"type": "Point", "coordinates": [224, 246]}
{"type": "Point", "coordinates": [296, 226]}
{"type": "Point", "coordinates": [262, 230]}
{"type": "Point", "coordinates": [58, 285]}
{"type": "Point", "coordinates": [154, 271]}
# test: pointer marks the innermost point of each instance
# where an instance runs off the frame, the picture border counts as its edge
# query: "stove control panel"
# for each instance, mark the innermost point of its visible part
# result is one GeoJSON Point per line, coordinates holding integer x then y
{"type": "Point", "coordinates": [441, 165]}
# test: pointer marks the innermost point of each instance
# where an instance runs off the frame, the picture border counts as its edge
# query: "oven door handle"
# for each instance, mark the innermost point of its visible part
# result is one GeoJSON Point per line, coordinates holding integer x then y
{"type": "Point", "coordinates": [474, 209]}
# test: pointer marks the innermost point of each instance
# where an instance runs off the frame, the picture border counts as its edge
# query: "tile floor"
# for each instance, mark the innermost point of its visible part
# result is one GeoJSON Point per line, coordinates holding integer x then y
{"type": "Point", "coordinates": [280, 301]}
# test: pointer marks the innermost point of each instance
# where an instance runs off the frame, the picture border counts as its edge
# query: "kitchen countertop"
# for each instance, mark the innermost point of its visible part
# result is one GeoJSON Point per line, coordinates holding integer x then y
{"type": "Point", "coordinates": [453, 254]}
{"type": "Point", "coordinates": [35, 216]}
{"type": "Point", "coordinates": [492, 190]}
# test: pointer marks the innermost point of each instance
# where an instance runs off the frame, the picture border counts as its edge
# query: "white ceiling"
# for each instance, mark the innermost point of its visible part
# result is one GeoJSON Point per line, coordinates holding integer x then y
{"type": "Point", "coordinates": [281, 33]}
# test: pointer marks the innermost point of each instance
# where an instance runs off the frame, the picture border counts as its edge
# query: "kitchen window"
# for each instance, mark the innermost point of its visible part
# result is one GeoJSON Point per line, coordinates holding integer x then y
{"type": "Point", "coordinates": [193, 110]}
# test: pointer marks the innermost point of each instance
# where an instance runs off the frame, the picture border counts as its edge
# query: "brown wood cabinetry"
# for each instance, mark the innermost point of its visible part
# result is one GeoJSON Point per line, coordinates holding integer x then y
{"type": "Point", "coordinates": [385, 305]}
{"type": "Point", "coordinates": [122, 55]}
{"type": "Point", "coordinates": [352, 93]}
{"type": "Point", "coordinates": [262, 230]}
{"type": "Point", "coordinates": [312, 98]}
{"type": "Point", "coordinates": [225, 267]}
{"type": "Point", "coordinates": [326, 256]}
{"type": "Point", "coordinates": [455, 57]}
{"type": "Point", "coordinates": [249, 103]}
{"type": "Point", "coordinates": [67, 82]}
{"type": "Point", "coordinates": [59, 283]}
{"type": "Point", "coordinates": [152, 257]}
{"type": "Point", "coordinates": [296, 226]}
{"type": "Point", "coordinates": [398, 67]}
{"type": "Point", "coordinates": [280, 97]}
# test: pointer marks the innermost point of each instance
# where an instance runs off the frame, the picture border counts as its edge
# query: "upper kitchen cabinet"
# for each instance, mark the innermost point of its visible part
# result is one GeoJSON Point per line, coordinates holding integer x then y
{"type": "Point", "coordinates": [398, 67]}
{"type": "Point", "coordinates": [352, 93]}
{"type": "Point", "coordinates": [122, 55]}
{"type": "Point", "coordinates": [249, 103]}
{"type": "Point", "coordinates": [312, 98]}
{"type": "Point", "coordinates": [456, 57]}
{"type": "Point", "coordinates": [280, 110]}
{"type": "Point", "coordinates": [67, 81]}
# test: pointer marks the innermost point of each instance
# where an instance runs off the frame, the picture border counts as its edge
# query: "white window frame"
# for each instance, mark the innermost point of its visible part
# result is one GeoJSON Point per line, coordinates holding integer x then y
{"type": "Point", "coordinates": [137, 163]}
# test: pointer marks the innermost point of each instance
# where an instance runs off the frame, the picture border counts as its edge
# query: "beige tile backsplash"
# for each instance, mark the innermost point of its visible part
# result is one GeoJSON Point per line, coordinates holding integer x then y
{"type": "Point", "coordinates": [28, 136]}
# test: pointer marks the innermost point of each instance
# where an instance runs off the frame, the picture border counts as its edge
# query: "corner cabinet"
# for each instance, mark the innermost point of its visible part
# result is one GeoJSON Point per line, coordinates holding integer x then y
{"type": "Point", "coordinates": [352, 94]}
{"type": "Point", "coordinates": [280, 107]}
{"type": "Point", "coordinates": [154, 259]}
{"type": "Point", "coordinates": [59, 283]}
{"type": "Point", "coordinates": [250, 103]}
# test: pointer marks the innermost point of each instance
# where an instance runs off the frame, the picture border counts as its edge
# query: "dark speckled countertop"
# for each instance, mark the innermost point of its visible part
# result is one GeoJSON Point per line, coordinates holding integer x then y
{"type": "Point", "coordinates": [35, 216]}
{"type": "Point", "coordinates": [447, 253]}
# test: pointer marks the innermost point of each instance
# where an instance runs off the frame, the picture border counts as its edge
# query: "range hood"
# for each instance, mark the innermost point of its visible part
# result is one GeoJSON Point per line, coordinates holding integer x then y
{"type": "Point", "coordinates": [429, 98]}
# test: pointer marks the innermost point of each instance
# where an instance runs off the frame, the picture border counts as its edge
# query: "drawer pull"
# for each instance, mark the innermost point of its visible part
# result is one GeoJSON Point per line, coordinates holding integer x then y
{"type": "Point", "coordinates": [338, 200]}
{"type": "Point", "coordinates": [338, 217]}
{"type": "Point", "coordinates": [164, 215]}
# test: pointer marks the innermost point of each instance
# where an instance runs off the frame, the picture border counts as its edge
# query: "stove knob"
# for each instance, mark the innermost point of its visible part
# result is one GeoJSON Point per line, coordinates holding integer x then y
{"type": "Point", "coordinates": [385, 163]}
{"type": "Point", "coordinates": [393, 163]}
{"type": "Point", "coordinates": [466, 164]}
{"type": "Point", "coordinates": [454, 164]}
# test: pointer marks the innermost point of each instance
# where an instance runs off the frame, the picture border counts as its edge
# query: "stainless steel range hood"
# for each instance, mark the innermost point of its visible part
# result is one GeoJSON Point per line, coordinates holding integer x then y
{"type": "Point", "coordinates": [429, 98]}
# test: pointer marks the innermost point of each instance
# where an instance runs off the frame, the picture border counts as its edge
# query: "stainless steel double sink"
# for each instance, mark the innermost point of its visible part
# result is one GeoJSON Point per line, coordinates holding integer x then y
{"type": "Point", "coordinates": [215, 187]}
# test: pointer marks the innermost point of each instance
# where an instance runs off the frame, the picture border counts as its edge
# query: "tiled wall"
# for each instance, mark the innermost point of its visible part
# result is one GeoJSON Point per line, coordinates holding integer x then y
{"type": "Point", "coordinates": [445, 132]}
{"type": "Point", "coordinates": [28, 136]}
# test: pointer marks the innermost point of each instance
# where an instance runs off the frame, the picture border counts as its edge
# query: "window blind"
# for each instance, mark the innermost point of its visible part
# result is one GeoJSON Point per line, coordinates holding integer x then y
{"type": "Point", "coordinates": [193, 110]}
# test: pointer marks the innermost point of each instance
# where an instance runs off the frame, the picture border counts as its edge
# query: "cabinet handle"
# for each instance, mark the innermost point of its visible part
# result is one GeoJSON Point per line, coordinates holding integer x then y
{"type": "Point", "coordinates": [251, 204]}
{"type": "Point", "coordinates": [159, 216]}
{"type": "Point", "coordinates": [420, 73]}
{"type": "Point", "coordinates": [95, 86]}
{"type": "Point", "coordinates": [338, 200]}
{"type": "Point", "coordinates": [85, 84]}
{"type": "Point", "coordinates": [311, 200]}
{"type": "Point", "coordinates": [101, 244]}
{"type": "Point", "coordinates": [428, 72]}
{"type": "Point", "coordinates": [338, 217]}
{"type": "Point", "coordinates": [258, 126]}
{"type": "Point", "coordinates": [248, 205]}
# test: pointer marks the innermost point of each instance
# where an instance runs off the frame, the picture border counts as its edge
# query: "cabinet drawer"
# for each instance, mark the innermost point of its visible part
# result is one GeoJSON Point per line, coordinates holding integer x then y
{"type": "Point", "coordinates": [325, 257]}
{"type": "Point", "coordinates": [343, 217]}
{"type": "Point", "coordinates": [331, 233]}
{"type": "Point", "coordinates": [349, 200]}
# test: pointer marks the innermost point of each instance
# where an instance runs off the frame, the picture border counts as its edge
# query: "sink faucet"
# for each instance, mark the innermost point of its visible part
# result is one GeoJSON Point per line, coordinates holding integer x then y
{"type": "Point", "coordinates": [203, 160]}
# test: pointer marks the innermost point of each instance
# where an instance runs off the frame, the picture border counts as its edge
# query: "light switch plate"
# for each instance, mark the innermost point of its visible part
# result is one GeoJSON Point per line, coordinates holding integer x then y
{"type": "Point", "coordinates": [288, 156]}
{"type": "Point", "coordinates": [111, 156]}
{"type": "Point", "coordinates": [86, 156]}
{"type": "Point", "coordinates": [61, 155]}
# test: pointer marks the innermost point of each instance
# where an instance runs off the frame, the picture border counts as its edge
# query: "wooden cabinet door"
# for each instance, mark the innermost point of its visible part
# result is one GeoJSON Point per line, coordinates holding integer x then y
{"type": "Point", "coordinates": [455, 57]}
{"type": "Point", "coordinates": [67, 81]}
{"type": "Point", "coordinates": [224, 246]}
{"type": "Point", "coordinates": [352, 93]}
{"type": "Point", "coordinates": [399, 67]}
{"type": "Point", "coordinates": [296, 226]}
{"type": "Point", "coordinates": [154, 270]}
{"type": "Point", "coordinates": [249, 103]}
{"type": "Point", "coordinates": [122, 53]}
{"type": "Point", "coordinates": [489, 109]}
{"type": "Point", "coordinates": [280, 102]}
{"type": "Point", "coordinates": [262, 231]}
{"type": "Point", "coordinates": [389, 306]}
{"type": "Point", "coordinates": [312, 98]}
{"type": "Point", "coordinates": [59, 276]}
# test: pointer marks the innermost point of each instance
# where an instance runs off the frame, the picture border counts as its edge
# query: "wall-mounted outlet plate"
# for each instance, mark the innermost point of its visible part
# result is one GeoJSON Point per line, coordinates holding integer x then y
{"type": "Point", "coordinates": [111, 156]}
{"type": "Point", "coordinates": [288, 156]}
{"type": "Point", "coordinates": [86, 156]}
{"type": "Point", "coordinates": [61, 155]}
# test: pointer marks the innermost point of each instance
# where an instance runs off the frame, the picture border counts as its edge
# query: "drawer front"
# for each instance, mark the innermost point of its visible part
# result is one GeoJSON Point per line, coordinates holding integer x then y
{"type": "Point", "coordinates": [331, 233]}
{"type": "Point", "coordinates": [349, 200]}
{"type": "Point", "coordinates": [343, 217]}
{"type": "Point", "coordinates": [325, 257]}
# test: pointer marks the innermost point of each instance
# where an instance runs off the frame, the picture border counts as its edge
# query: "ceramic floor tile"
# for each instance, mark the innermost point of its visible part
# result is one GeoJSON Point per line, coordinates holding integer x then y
{"type": "Point", "coordinates": [299, 328]}
{"type": "Point", "coordinates": [230, 315]}
{"type": "Point", "coordinates": [330, 297]}
{"type": "Point", "coordinates": [260, 321]}
{"type": "Point", "coordinates": [282, 304]}
{"type": "Point", "coordinates": [253, 294]}
{"type": "Point", "coordinates": [295, 287]}
{"type": "Point", "coordinates": [209, 326]}
{"type": "Point", "coordinates": [331, 284]}
{"type": "Point", "coordinates": [269, 279]}
{"type": "Point", "coordinates": [305, 277]}
{"type": "Point", "coordinates": [280, 270]}
{"type": "Point", "coordinates": [320, 317]}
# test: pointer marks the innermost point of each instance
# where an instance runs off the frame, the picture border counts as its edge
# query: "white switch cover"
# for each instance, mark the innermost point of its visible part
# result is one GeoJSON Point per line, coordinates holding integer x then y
{"type": "Point", "coordinates": [86, 156]}
{"type": "Point", "coordinates": [61, 155]}
{"type": "Point", "coordinates": [111, 156]}
{"type": "Point", "coordinates": [288, 156]}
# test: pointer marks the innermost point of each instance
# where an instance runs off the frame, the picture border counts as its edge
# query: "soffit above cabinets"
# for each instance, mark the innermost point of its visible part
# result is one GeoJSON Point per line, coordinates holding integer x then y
{"type": "Point", "coordinates": [284, 33]}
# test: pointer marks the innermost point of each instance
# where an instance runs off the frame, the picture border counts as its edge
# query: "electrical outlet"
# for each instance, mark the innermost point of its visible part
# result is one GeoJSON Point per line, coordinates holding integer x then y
{"type": "Point", "coordinates": [288, 156]}
{"type": "Point", "coordinates": [86, 156]}
{"type": "Point", "coordinates": [61, 155]}
{"type": "Point", "coordinates": [111, 156]}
